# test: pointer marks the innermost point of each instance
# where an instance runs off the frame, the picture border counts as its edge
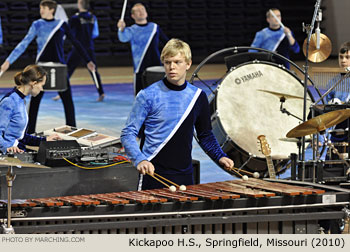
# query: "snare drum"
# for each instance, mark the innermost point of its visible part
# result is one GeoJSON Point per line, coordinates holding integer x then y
{"type": "Point", "coordinates": [247, 104]}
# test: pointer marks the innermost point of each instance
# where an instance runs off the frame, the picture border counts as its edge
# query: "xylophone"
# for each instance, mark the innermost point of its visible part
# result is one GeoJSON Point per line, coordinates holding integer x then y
{"type": "Point", "coordinates": [237, 206]}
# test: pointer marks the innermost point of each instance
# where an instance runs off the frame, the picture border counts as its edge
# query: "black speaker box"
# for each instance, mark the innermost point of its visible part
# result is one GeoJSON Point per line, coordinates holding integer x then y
{"type": "Point", "coordinates": [51, 153]}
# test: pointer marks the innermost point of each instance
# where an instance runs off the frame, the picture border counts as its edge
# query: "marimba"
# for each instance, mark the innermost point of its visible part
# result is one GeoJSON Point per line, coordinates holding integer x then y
{"type": "Point", "coordinates": [237, 206]}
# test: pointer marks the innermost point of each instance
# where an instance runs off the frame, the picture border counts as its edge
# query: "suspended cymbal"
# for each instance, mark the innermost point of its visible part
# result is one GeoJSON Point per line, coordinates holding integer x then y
{"type": "Point", "coordinates": [319, 123]}
{"type": "Point", "coordinates": [10, 161]}
{"type": "Point", "coordinates": [280, 95]}
{"type": "Point", "coordinates": [318, 55]}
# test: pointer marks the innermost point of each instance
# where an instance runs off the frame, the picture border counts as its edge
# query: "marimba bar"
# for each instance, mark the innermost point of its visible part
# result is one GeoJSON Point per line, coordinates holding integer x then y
{"type": "Point", "coordinates": [237, 206]}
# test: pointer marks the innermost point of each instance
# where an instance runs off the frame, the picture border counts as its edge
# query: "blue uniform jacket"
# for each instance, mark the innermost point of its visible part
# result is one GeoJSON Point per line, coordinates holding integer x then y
{"type": "Point", "coordinates": [13, 123]}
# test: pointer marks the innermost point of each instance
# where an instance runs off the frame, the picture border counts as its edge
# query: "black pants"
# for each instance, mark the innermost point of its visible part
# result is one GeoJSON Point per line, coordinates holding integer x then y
{"type": "Point", "coordinates": [74, 60]}
{"type": "Point", "coordinates": [138, 82]}
{"type": "Point", "coordinates": [67, 100]}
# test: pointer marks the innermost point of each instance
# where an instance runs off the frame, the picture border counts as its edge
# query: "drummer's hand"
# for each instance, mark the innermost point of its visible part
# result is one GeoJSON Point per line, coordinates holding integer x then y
{"type": "Point", "coordinates": [145, 167]}
{"type": "Point", "coordinates": [91, 66]}
{"type": "Point", "coordinates": [5, 66]}
{"type": "Point", "coordinates": [121, 25]}
{"type": "Point", "coordinates": [287, 31]}
{"type": "Point", "coordinates": [53, 137]}
{"type": "Point", "coordinates": [14, 149]}
{"type": "Point", "coordinates": [226, 163]}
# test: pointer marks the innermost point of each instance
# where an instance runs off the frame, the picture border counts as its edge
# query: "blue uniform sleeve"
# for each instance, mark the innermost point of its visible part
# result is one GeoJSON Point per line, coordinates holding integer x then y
{"type": "Point", "coordinates": [257, 41]}
{"type": "Point", "coordinates": [5, 112]}
{"type": "Point", "coordinates": [204, 132]}
{"type": "Point", "coordinates": [295, 47]}
{"type": "Point", "coordinates": [95, 31]}
{"type": "Point", "coordinates": [32, 140]}
{"type": "Point", "coordinates": [22, 46]}
{"type": "Point", "coordinates": [126, 35]}
{"type": "Point", "coordinates": [73, 24]}
{"type": "Point", "coordinates": [133, 125]}
{"type": "Point", "coordinates": [162, 37]}
{"type": "Point", "coordinates": [76, 43]}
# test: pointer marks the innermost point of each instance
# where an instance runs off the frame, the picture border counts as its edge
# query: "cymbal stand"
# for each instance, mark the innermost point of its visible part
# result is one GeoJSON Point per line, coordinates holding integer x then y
{"type": "Point", "coordinates": [308, 29]}
{"type": "Point", "coordinates": [284, 110]}
{"type": "Point", "coordinates": [10, 177]}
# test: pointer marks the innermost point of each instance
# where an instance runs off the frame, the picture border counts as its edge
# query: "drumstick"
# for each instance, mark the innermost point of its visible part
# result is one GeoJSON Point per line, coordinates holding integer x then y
{"type": "Point", "coordinates": [166, 180]}
{"type": "Point", "coordinates": [95, 78]}
{"type": "Point", "coordinates": [247, 172]}
{"type": "Point", "coordinates": [279, 21]}
{"type": "Point", "coordinates": [123, 10]}
{"type": "Point", "coordinates": [158, 180]}
{"type": "Point", "coordinates": [253, 174]}
{"type": "Point", "coordinates": [236, 171]}
{"type": "Point", "coordinates": [1, 73]}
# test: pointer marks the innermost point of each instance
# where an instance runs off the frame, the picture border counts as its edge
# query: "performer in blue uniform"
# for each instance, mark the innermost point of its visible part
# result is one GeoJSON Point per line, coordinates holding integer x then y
{"type": "Point", "coordinates": [49, 34]}
{"type": "Point", "coordinates": [144, 38]}
{"type": "Point", "coordinates": [276, 38]}
{"type": "Point", "coordinates": [14, 118]}
{"type": "Point", "coordinates": [85, 29]}
{"type": "Point", "coordinates": [170, 110]}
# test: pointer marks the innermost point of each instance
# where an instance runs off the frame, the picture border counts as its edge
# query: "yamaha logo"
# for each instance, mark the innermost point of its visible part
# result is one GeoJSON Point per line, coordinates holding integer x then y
{"type": "Point", "coordinates": [248, 77]}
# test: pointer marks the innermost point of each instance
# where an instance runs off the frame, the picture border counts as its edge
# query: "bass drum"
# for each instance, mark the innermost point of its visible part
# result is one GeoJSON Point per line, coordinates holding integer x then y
{"type": "Point", "coordinates": [247, 103]}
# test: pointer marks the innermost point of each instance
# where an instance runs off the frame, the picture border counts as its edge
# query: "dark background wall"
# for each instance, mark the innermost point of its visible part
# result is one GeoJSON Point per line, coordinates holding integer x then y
{"type": "Point", "coordinates": [207, 25]}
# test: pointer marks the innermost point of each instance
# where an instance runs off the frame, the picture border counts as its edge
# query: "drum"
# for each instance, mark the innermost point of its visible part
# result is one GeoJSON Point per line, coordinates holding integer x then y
{"type": "Point", "coordinates": [247, 103]}
{"type": "Point", "coordinates": [152, 74]}
{"type": "Point", "coordinates": [56, 76]}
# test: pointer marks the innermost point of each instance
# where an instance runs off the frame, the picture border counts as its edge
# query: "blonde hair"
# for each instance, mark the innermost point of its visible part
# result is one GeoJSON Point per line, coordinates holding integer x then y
{"type": "Point", "coordinates": [175, 46]}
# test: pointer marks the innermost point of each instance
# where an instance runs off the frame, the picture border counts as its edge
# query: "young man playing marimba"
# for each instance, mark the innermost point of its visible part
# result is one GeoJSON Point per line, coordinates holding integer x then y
{"type": "Point", "coordinates": [169, 110]}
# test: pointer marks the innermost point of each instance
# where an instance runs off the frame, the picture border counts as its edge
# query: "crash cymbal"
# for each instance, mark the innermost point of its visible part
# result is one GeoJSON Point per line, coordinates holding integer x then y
{"type": "Point", "coordinates": [319, 123]}
{"type": "Point", "coordinates": [7, 161]}
{"type": "Point", "coordinates": [280, 95]}
{"type": "Point", "coordinates": [318, 55]}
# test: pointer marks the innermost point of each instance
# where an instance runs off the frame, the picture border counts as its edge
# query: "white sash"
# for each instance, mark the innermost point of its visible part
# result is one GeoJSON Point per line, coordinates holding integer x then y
{"type": "Point", "coordinates": [146, 47]}
{"type": "Point", "coordinates": [279, 42]}
{"type": "Point", "coordinates": [188, 110]}
{"type": "Point", "coordinates": [48, 39]}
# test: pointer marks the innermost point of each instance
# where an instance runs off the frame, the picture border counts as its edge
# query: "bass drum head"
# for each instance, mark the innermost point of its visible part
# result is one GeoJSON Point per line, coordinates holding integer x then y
{"type": "Point", "coordinates": [247, 104]}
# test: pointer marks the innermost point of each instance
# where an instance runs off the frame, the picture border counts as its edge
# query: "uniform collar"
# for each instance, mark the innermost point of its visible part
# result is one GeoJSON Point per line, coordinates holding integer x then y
{"type": "Point", "coordinates": [19, 93]}
{"type": "Point", "coordinates": [174, 87]}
